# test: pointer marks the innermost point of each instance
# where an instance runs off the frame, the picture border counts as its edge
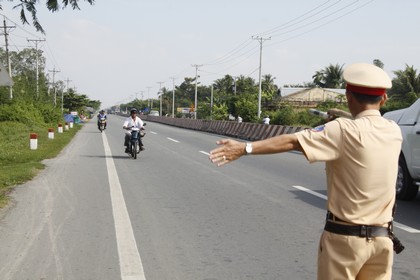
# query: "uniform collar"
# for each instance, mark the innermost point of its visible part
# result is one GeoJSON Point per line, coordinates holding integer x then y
{"type": "Point", "coordinates": [368, 113]}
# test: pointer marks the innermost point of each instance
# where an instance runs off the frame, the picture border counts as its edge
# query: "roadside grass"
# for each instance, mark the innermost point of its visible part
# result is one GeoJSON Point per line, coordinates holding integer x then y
{"type": "Point", "coordinates": [18, 163]}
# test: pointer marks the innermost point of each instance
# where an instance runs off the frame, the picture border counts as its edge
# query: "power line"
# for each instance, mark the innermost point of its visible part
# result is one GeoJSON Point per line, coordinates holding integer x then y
{"type": "Point", "coordinates": [289, 23]}
{"type": "Point", "coordinates": [286, 28]}
{"type": "Point", "coordinates": [321, 25]}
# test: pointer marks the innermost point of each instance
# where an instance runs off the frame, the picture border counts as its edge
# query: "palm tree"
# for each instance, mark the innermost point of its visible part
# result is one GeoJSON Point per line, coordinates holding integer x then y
{"type": "Point", "coordinates": [224, 85]}
{"type": "Point", "coordinates": [329, 77]}
{"type": "Point", "coordinates": [406, 84]}
{"type": "Point", "coordinates": [379, 63]}
{"type": "Point", "coordinates": [269, 89]}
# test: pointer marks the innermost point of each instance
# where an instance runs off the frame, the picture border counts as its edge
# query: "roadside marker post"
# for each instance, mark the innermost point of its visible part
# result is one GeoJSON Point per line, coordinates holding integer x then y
{"type": "Point", "coordinates": [33, 141]}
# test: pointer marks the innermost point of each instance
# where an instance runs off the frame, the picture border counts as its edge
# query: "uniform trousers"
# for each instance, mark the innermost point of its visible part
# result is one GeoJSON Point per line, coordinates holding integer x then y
{"type": "Point", "coordinates": [342, 257]}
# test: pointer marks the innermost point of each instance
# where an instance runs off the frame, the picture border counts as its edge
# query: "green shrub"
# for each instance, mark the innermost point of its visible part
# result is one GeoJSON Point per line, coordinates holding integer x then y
{"type": "Point", "coordinates": [20, 111]}
{"type": "Point", "coordinates": [284, 116]}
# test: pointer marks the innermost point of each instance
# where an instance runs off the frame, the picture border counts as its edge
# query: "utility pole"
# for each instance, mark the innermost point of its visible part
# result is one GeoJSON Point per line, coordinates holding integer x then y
{"type": "Point", "coordinates": [55, 90]}
{"type": "Point", "coordinates": [7, 53]}
{"type": "Point", "coordinates": [148, 98]}
{"type": "Point", "coordinates": [260, 40]}
{"type": "Point", "coordinates": [37, 63]}
{"type": "Point", "coordinates": [161, 93]}
{"type": "Point", "coordinates": [211, 103]}
{"type": "Point", "coordinates": [196, 82]}
{"type": "Point", "coordinates": [62, 95]}
{"type": "Point", "coordinates": [173, 97]}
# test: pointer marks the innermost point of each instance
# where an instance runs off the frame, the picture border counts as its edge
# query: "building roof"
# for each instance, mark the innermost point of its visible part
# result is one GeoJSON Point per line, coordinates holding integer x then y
{"type": "Point", "coordinates": [312, 94]}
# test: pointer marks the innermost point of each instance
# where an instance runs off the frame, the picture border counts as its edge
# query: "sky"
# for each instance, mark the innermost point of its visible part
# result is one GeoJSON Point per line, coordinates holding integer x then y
{"type": "Point", "coordinates": [119, 50]}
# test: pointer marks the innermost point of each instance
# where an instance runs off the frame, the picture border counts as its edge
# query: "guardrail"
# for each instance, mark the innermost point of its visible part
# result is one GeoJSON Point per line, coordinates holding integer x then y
{"type": "Point", "coordinates": [243, 130]}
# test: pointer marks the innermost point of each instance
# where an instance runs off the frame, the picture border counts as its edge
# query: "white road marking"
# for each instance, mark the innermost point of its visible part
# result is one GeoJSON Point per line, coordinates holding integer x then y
{"type": "Point", "coordinates": [173, 140]}
{"type": "Point", "coordinates": [398, 225]}
{"type": "Point", "coordinates": [130, 262]}
{"type": "Point", "coordinates": [406, 228]}
{"type": "Point", "coordinates": [206, 153]}
{"type": "Point", "coordinates": [311, 192]}
{"type": "Point", "coordinates": [153, 132]}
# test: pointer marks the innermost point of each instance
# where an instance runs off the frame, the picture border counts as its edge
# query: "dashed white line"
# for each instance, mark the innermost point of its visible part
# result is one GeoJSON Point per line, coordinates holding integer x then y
{"type": "Point", "coordinates": [152, 132]}
{"type": "Point", "coordinates": [206, 153]}
{"type": "Point", "coordinates": [398, 225]}
{"type": "Point", "coordinates": [311, 192]}
{"type": "Point", "coordinates": [406, 228]}
{"type": "Point", "coordinates": [173, 140]}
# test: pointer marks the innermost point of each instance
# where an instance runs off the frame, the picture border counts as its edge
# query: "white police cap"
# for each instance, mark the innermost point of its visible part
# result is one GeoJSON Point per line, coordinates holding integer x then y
{"type": "Point", "coordinates": [366, 78]}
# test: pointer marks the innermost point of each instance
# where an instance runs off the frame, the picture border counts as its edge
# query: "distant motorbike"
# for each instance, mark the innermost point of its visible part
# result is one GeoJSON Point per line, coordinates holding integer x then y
{"type": "Point", "coordinates": [102, 122]}
{"type": "Point", "coordinates": [134, 143]}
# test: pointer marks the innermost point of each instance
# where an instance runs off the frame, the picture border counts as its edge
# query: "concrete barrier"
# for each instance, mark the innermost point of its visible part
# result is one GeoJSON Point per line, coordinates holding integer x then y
{"type": "Point", "coordinates": [246, 131]}
{"type": "Point", "coordinates": [259, 132]}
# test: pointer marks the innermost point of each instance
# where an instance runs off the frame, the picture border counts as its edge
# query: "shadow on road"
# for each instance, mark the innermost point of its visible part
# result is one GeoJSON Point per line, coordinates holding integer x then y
{"type": "Point", "coordinates": [103, 156]}
{"type": "Point", "coordinates": [311, 199]}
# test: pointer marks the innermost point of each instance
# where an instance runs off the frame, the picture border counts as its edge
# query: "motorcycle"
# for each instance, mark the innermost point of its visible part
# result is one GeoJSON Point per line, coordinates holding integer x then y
{"type": "Point", "coordinates": [134, 143]}
{"type": "Point", "coordinates": [102, 122]}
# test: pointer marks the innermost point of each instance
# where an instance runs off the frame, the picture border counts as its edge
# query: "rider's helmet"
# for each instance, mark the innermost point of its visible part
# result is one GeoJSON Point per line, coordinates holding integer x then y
{"type": "Point", "coordinates": [133, 110]}
{"type": "Point", "coordinates": [102, 111]}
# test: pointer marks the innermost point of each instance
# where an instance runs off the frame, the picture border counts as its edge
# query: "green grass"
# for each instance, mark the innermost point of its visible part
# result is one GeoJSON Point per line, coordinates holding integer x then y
{"type": "Point", "coordinates": [18, 163]}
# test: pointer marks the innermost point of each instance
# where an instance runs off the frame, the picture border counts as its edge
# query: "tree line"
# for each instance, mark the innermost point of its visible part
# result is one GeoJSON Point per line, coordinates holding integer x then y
{"type": "Point", "coordinates": [238, 96]}
{"type": "Point", "coordinates": [39, 90]}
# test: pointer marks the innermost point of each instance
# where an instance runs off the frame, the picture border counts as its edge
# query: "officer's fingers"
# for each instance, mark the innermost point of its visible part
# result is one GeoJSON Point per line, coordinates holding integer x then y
{"type": "Point", "coordinates": [223, 141]}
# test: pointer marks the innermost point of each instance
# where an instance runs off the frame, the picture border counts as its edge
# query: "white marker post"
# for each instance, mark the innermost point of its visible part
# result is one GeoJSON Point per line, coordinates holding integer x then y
{"type": "Point", "coordinates": [60, 128]}
{"type": "Point", "coordinates": [33, 141]}
{"type": "Point", "coordinates": [50, 133]}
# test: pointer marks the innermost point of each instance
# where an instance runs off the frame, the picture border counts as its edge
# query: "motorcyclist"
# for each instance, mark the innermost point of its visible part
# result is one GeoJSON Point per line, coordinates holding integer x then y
{"type": "Point", "coordinates": [99, 116]}
{"type": "Point", "coordinates": [132, 121]}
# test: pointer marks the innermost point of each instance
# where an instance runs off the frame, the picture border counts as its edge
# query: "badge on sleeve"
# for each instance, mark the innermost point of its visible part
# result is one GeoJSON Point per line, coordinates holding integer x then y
{"type": "Point", "coordinates": [318, 128]}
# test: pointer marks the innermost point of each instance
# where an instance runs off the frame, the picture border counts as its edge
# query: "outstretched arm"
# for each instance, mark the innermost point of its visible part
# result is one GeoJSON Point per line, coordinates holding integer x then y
{"type": "Point", "coordinates": [231, 150]}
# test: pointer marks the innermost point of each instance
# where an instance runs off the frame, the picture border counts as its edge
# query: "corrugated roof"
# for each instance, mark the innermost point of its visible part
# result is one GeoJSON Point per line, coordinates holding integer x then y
{"type": "Point", "coordinates": [311, 94]}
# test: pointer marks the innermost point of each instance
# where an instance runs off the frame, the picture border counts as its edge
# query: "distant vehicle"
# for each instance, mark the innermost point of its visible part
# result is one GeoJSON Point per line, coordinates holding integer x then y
{"type": "Point", "coordinates": [154, 113]}
{"type": "Point", "coordinates": [408, 179]}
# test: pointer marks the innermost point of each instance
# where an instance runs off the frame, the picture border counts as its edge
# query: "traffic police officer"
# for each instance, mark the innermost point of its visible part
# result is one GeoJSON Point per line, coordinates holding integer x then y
{"type": "Point", "coordinates": [361, 156]}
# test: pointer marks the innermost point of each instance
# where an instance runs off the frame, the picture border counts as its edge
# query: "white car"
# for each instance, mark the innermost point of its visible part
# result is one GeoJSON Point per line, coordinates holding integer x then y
{"type": "Point", "coordinates": [408, 179]}
{"type": "Point", "coordinates": [154, 113]}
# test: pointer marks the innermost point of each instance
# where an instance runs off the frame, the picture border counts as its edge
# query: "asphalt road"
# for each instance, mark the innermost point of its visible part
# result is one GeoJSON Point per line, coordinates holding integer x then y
{"type": "Point", "coordinates": [95, 213]}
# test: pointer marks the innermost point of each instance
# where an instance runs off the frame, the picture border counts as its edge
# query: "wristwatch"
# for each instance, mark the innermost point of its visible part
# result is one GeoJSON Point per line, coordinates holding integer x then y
{"type": "Point", "coordinates": [248, 148]}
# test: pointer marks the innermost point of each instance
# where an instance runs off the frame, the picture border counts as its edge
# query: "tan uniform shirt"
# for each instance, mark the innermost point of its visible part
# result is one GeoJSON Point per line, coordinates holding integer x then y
{"type": "Point", "coordinates": [361, 158]}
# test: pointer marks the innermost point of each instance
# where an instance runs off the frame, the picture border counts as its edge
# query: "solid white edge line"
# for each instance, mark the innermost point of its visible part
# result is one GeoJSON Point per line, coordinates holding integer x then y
{"type": "Point", "coordinates": [131, 266]}
{"type": "Point", "coordinates": [398, 225]}
{"type": "Point", "coordinates": [176, 141]}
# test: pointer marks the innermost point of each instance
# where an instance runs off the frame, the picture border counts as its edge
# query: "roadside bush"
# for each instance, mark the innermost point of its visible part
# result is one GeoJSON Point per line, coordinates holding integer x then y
{"type": "Point", "coordinates": [49, 113]}
{"type": "Point", "coordinates": [284, 116]}
{"type": "Point", "coordinates": [20, 111]}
